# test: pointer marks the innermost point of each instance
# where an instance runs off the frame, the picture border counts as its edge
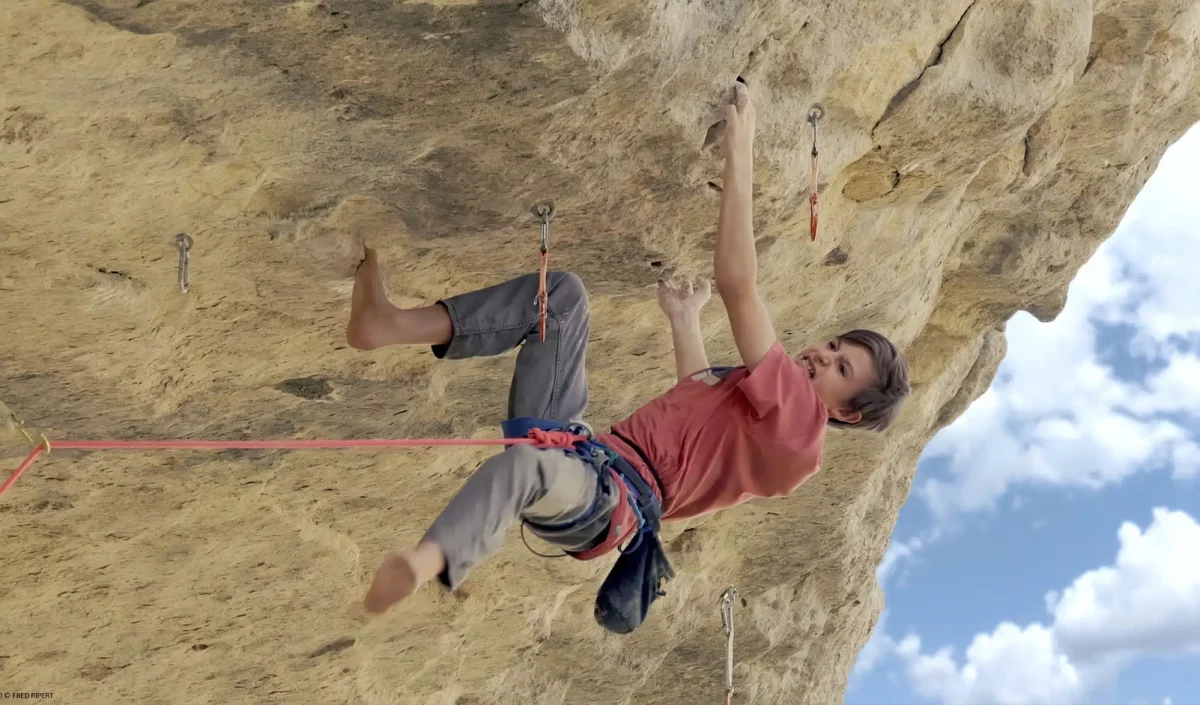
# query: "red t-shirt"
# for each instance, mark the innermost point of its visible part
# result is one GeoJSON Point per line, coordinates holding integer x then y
{"type": "Point", "coordinates": [721, 437]}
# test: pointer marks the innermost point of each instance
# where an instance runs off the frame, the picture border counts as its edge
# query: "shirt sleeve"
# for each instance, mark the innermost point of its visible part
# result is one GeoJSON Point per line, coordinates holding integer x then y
{"type": "Point", "coordinates": [769, 386]}
{"type": "Point", "coordinates": [782, 397]}
{"type": "Point", "coordinates": [787, 422]}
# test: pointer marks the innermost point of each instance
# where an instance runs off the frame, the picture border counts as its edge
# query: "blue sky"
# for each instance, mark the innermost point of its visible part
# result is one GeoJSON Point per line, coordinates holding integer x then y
{"type": "Point", "coordinates": [1049, 553]}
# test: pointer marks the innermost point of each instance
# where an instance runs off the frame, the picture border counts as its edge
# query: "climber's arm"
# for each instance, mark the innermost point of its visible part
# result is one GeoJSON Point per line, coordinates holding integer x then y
{"type": "Point", "coordinates": [681, 302]}
{"type": "Point", "coordinates": [734, 259]}
{"type": "Point", "coordinates": [690, 356]}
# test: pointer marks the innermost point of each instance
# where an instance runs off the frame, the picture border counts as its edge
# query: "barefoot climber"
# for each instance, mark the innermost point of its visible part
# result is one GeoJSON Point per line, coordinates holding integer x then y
{"type": "Point", "coordinates": [719, 437]}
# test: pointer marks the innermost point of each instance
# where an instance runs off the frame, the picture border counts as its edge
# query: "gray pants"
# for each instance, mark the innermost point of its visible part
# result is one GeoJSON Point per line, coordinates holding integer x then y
{"type": "Point", "coordinates": [549, 489]}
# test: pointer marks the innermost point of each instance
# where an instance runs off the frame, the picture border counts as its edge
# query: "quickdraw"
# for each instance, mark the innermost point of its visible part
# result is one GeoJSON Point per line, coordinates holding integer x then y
{"type": "Point", "coordinates": [726, 604]}
{"type": "Point", "coordinates": [544, 212]}
{"type": "Point", "coordinates": [184, 242]}
{"type": "Point", "coordinates": [815, 113]}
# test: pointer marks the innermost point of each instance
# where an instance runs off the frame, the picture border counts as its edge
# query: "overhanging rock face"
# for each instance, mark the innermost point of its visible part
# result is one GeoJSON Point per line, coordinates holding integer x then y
{"type": "Point", "coordinates": [973, 156]}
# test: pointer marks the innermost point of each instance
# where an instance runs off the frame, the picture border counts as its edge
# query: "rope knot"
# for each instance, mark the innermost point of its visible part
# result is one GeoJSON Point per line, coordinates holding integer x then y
{"type": "Point", "coordinates": [555, 439]}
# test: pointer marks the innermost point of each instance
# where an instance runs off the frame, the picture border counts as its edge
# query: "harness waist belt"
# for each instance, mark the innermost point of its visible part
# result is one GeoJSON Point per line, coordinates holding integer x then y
{"type": "Point", "coordinates": [645, 502]}
{"type": "Point", "coordinates": [645, 459]}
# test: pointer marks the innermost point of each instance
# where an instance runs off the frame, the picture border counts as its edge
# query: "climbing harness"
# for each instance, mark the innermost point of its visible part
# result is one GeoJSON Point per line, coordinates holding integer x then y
{"type": "Point", "coordinates": [726, 604]}
{"type": "Point", "coordinates": [642, 568]}
{"type": "Point", "coordinates": [525, 541]}
{"type": "Point", "coordinates": [602, 458]}
{"type": "Point", "coordinates": [815, 113]}
{"type": "Point", "coordinates": [544, 212]}
{"type": "Point", "coordinates": [184, 242]}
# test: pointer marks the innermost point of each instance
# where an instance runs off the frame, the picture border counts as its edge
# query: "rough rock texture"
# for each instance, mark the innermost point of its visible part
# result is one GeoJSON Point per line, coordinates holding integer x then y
{"type": "Point", "coordinates": [974, 155]}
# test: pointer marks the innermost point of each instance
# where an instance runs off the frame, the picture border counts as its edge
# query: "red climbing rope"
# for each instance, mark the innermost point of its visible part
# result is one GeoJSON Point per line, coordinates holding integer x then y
{"type": "Point", "coordinates": [812, 200]}
{"type": "Point", "coordinates": [12, 480]}
{"type": "Point", "coordinates": [542, 296]}
{"type": "Point", "coordinates": [537, 437]}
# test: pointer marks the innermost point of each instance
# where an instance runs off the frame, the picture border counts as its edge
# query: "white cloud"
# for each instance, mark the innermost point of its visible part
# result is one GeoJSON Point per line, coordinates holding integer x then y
{"type": "Point", "coordinates": [900, 552]}
{"type": "Point", "coordinates": [1146, 602]}
{"type": "Point", "coordinates": [897, 552]}
{"type": "Point", "coordinates": [1058, 415]}
{"type": "Point", "coordinates": [1010, 666]}
{"type": "Point", "coordinates": [1174, 389]}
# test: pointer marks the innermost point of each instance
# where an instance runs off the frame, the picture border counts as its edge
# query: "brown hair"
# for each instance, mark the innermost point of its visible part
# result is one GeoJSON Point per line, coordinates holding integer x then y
{"type": "Point", "coordinates": [880, 403]}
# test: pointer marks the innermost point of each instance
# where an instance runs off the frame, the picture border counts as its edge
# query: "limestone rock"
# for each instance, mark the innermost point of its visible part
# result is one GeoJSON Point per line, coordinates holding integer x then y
{"type": "Point", "coordinates": [974, 154]}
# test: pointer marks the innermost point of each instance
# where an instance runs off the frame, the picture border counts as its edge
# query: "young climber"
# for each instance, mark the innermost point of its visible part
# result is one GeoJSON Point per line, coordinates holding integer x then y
{"type": "Point", "coordinates": [718, 437]}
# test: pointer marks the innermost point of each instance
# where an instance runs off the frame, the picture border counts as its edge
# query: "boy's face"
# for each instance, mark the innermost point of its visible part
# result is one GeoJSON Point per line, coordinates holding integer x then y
{"type": "Point", "coordinates": [839, 371]}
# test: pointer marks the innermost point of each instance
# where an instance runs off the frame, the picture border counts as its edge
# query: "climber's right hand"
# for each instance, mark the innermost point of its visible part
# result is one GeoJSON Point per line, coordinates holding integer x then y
{"type": "Point", "coordinates": [738, 141]}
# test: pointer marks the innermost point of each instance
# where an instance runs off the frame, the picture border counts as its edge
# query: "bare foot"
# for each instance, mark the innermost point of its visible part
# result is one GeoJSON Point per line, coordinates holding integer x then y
{"type": "Point", "coordinates": [401, 574]}
{"type": "Point", "coordinates": [371, 314]}
{"type": "Point", "coordinates": [375, 322]}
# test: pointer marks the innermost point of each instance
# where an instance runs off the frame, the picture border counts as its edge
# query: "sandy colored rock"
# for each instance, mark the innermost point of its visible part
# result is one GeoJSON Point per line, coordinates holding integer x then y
{"type": "Point", "coordinates": [974, 155]}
